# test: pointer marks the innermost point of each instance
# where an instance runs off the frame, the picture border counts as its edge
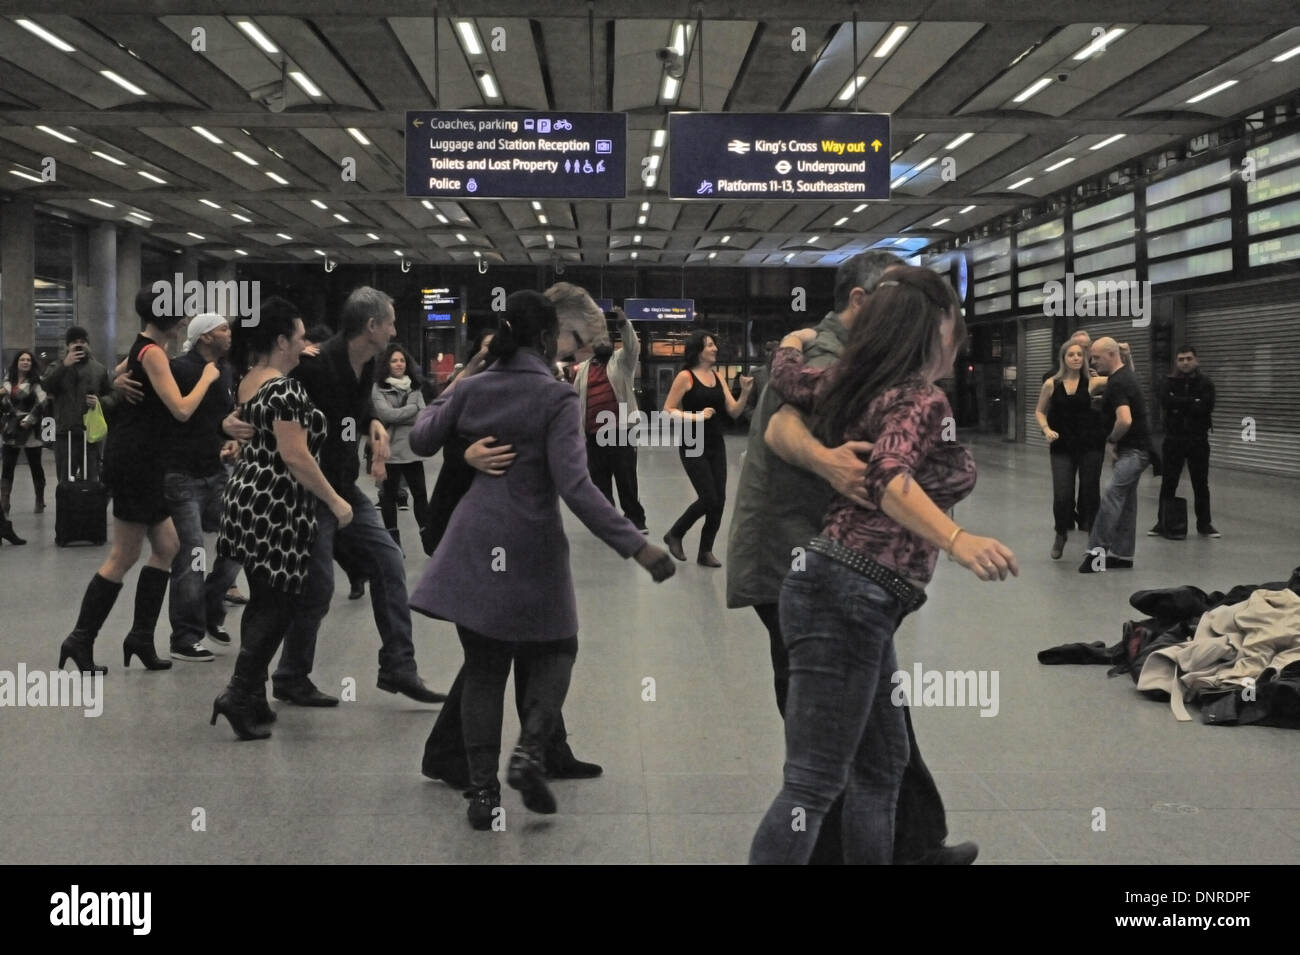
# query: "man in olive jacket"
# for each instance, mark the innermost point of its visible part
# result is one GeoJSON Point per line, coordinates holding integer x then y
{"type": "Point", "coordinates": [75, 385]}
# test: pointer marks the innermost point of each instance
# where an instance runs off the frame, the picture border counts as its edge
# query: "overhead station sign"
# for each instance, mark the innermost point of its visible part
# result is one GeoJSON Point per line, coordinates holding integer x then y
{"type": "Point", "coordinates": [662, 309]}
{"type": "Point", "coordinates": [778, 156]}
{"type": "Point", "coordinates": [498, 154]}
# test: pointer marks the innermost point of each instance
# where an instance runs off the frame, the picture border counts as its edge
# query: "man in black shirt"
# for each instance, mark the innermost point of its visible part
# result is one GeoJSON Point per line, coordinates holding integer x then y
{"type": "Point", "coordinates": [1188, 402]}
{"type": "Point", "coordinates": [194, 477]}
{"type": "Point", "coordinates": [1128, 448]}
{"type": "Point", "coordinates": [338, 381]}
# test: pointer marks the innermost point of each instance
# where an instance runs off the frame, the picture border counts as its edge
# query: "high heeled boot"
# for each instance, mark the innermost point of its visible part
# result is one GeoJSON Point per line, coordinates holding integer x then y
{"type": "Point", "coordinates": [96, 605]}
{"type": "Point", "coordinates": [527, 775]}
{"type": "Point", "coordinates": [7, 532]}
{"type": "Point", "coordinates": [150, 590]}
{"type": "Point", "coordinates": [237, 705]}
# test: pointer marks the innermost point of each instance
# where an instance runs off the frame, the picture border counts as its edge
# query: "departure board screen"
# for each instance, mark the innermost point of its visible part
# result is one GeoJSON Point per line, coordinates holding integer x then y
{"type": "Point", "coordinates": [778, 156]}
{"type": "Point", "coordinates": [663, 309]}
{"type": "Point", "coordinates": [499, 154]}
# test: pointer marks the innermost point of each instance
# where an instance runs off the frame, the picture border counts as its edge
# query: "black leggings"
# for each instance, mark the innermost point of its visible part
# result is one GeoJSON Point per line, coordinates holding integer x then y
{"type": "Point", "coordinates": [413, 474]}
{"type": "Point", "coordinates": [708, 474]}
{"type": "Point", "coordinates": [262, 627]}
{"type": "Point", "coordinates": [10, 458]}
{"type": "Point", "coordinates": [487, 665]}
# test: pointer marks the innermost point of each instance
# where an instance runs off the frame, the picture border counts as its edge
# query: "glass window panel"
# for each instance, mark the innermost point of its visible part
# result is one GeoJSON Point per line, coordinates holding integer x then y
{"type": "Point", "coordinates": [1273, 186]}
{"type": "Point", "coordinates": [999, 304]}
{"type": "Point", "coordinates": [991, 249]}
{"type": "Point", "coordinates": [1001, 284]}
{"type": "Point", "coordinates": [1120, 255]}
{"type": "Point", "coordinates": [1193, 180]}
{"type": "Point", "coordinates": [1110, 209]}
{"type": "Point", "coordinates": [1043, 274]}
{"type": "Point", "coordinates": [1041, 253]}
{"type": "Point", "coordinates": [1193, 266]}
{"type": "Point", "coordinates": [1213, 204]}
{"type": "Point", "coordinates": [991, 267]}
{"type": "Point", "coordinates": [1031, 298]}
{"type": "Point", "coordinates": [1277, 152]}
{"type": "Point", "coordinates": [1041, 233]}
{"type": "Point", "coordinates": [1104, 236]}
{"type": "Point", "coordinates": [1209, 233]}
{"type": "Point", "coordinates": [1282, 216]}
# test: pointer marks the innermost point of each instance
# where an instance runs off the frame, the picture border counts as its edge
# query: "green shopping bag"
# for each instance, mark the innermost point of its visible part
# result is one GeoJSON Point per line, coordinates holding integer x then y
{"type": "Point", "coordinates": [96, 425]}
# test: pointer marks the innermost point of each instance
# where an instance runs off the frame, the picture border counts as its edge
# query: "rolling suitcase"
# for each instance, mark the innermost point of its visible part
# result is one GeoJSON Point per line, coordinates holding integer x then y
{"type": "Point", "coordinates": [80, 505]}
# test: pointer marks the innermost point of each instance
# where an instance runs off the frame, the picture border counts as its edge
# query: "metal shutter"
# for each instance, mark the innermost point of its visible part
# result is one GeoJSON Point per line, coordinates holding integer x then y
{"type": "Point", "coordinates": [1139, 342]}
{"type": "Point", "coordinates": [1038, 358]}
{"type": "Point", "coordinates": [1248, 342]}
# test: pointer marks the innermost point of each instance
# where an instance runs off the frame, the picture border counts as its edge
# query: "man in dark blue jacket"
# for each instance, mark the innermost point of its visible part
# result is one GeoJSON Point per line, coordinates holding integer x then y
{"type": "Point", "coordinates": [1188, 400]}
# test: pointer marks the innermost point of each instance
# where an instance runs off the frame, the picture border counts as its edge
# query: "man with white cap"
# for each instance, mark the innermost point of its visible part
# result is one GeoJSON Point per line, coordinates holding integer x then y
{"type": "Point", "coordinates": [194, 456]}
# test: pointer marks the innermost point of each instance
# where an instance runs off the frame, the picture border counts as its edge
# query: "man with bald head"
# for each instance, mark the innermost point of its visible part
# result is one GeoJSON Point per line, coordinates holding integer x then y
{"type": "Point", "coordinates": [1128, 448]}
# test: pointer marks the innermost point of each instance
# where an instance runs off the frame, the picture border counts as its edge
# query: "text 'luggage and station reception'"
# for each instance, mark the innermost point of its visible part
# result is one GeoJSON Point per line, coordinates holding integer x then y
{"type": "Point", "coordinates": [782, 156]}
{"type": "Point", "coordinates": [488, 154]}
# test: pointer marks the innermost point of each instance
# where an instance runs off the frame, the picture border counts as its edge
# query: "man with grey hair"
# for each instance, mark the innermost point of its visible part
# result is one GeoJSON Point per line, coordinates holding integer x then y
{"type": "Point", "coordinates": [338, 380]}
{"type": "Point", "coordinates": [780, 506]}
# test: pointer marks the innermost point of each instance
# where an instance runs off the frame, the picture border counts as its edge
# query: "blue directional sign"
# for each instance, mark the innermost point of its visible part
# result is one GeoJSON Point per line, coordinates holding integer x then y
{"type": "Point", "coordinates": [498, 154]}
{"type": "Point", "coordinates": [789, 157]}
{"type": "Point", "coordinates": [661, 309]}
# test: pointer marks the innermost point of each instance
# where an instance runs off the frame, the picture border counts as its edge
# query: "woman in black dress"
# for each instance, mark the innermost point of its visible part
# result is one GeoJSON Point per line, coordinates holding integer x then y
{"type": "Point", "coordinates": [268, 520]}
{"type": "Point", "coordinates": [133, 472]}
{"type": "Point", "coordinates": [21, 398]}
{"type": "Point", "coordinates": [699, 394]}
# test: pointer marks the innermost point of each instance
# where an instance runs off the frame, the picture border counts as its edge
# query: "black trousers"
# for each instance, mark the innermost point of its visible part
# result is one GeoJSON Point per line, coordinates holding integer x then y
{"type": "Point", "coordinates": [454, 480]}
{"type": "Point", "coordinates": [708, 474]}
{"type": "Point", "coordinates": [487, 665]}
{"type": "Point", "coordinates": [616, 466]}
{"type": "Point", "coordinates": [10, 461]}
{"type": "Point", "coordinates": [1196, 453]}
{"type": "Point", "coordinates": [413, 475]}
{"type": "Point", "coordinates": [1071, 508]}
{"type": "Point", "coordinates": [262, 628]}
{"type": "Point", "coordinates": [920, 821]}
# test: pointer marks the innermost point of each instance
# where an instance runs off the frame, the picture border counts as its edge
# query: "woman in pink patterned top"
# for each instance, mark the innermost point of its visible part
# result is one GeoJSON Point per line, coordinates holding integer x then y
{"type": "Point", "coordinates": [845, 598]}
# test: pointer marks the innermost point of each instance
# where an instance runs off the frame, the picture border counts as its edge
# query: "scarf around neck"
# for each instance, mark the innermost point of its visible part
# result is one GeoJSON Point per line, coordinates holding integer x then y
{"type": "Point", "coordinates": [401, 384]}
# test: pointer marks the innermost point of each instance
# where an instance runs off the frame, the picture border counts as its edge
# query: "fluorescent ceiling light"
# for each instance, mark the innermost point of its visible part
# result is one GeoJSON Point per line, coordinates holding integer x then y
{"type": "Point", "coordinates": [640, 220]}
{"type": "Point", "coordinates": [441, 218]}
{"type": "Point", "coordinates": [122, 82]}
{"type": "Point", "coordinates": [550, 239]}
{"type": "Point", "coordinates": [56, 134]}
{"type": "Point", "coordinates": [654, 162]}
{"type": "Point", "coordinates": [1283, 57]}
{"type": "Point", "coordinates": [670, 88]}
{"type": "Point", "coordinates": [1100, 43]}
{"type": "Point", "coordinates": [341, 217]}
{"type": "Point", "coordinates": [209, 203]}
{"type": "Point", "coordinates": [318, 204]}
{"type": "Point", "coordinates": [318, 251]}
{"type": "Point", "coordinates": [397, 252]}
{"type": "Point", "coordinates": [657, 141]}
{"type": "Point", "coordinates": [841, 220]}
{"type": "Point", "coordinates": [1017, 185]}
{"type": "Point", "coordinates": [257, 36]}
{"type": "Point", "coordinates": [542, 219]}
{"type": "Point", "coordinates": [650, 181]}
{"type": "Point", "coordinates": [789, 256]}
{"type": "Point", "coordinates": [632, 256]}
{"type": "Point", "coordinates": [489, 86]}
{"type": "Point", "coordinates": [1108, 140]}
{"type": "Point", "coordinates": [859, 208]}
{"type": "Point", "coordinates": [113, 159]}
{"type": "Point", "coordinates": [281, 235]}
{"type": "Point", "coordinates": [305, 84]}
{"type": "Point", "coordinates": [372, 237]}
{"type": "Point", "coordinates": [427, 204]}
{"type": "Point", "coordinates": [962, 212]}
{"type": "Point", "coordinates": [679, 39]}
{"type": "Point", "coordinates": [206, 135]}
{"type": "Point", "coordinates": [461, 238]}
{"type": "Point", "coordinates": [851, 87]}
{"type": "Point", "coordinates": [478, 254]}
{"type": "Point", "coordinates": [935, 225]}
{"type": "Point", "coordinates": [470, 36]}
{"type": "Point", "coordinates": [1057, 165]}
{"type": "Point", "coordinates": [898, 182]}
{"type": "Point", "coordinates": [151, 177]}
{"type": "Point", "coordinates": [894, 158]}
{"type": "Point", "coordinates": [891, 41]}
{"type": "Point", "coordinates": [25, 175]}
{"type": "Point", "coordinates": [197, 236]}
{"type": "Point", "coordinates": [141, 215]}
{"type": "Point", "coordinates": [636, 240]}
{"type": "Point", "coordinates": [101, 202]}
{"type": "Point", "coordinates": [726, 239]}
{"type": "Point", "coordinates": [240, 252]}
{"type": "Point", "coordinates": [713, 255]}
{"type": "Point", "coordinates": [813, 240]}
{"type": "Point", "coordinates": [236, 215]}
{"type": "Point", "coordinates": [280, 179]}
{"type": "Point", "coordinates": [1033, 89]}
{"type": "Point", "coordinates": [1212, 90]}
{"type": "Point", "coordinates": [918, 137]}
{"type": "Point", "coordinates": [959, 140]}
{"type": "Point", "coordinates": [900, 241]}
{"type": "Point", "coordinates": [244, 157]}
{"type": "Point", "coordinates": [645, 207]}
{"type": "Point", "coordinates": [45, 35]}
{"type": "Point", "coordinates": [537, 206]}
{"type": "Point", "coordinates": [925, 165]}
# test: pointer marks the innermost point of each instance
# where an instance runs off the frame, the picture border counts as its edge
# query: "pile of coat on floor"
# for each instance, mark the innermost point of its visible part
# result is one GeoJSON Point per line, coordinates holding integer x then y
{"type": "Point", "coordinates": [1236, 654]}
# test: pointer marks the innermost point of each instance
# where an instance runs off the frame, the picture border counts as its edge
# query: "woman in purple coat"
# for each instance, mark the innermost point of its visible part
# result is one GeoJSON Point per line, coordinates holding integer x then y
{"type": "Point", "coordinates": [501, 572]}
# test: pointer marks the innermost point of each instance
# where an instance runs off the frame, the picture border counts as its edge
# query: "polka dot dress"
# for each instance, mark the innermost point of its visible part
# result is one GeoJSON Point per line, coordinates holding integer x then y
{"type": "Point", "coordinates": [268, 520]}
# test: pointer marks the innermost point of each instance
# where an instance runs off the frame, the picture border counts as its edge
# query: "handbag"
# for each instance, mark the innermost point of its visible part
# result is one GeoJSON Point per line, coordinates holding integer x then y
{"type": "Point", "coordinates": [96, 424]}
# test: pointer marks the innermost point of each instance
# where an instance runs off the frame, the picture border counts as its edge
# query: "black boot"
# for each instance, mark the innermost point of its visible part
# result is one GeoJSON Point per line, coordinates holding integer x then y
{"type": "Point", "coordinates": [150, 590]}
{"type": "Point", "coordinates": [7, 532]}
{"type": "Point", "coordinates": [237, 706]}
{"type": "Point", "coordinates": [526, 775]}
{"type": "Point", "coordinates": [96, 605]}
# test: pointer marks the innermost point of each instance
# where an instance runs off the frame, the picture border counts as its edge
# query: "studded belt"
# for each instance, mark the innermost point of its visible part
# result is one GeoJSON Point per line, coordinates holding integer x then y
{"type": "Point", "coordinates": [909, 597]}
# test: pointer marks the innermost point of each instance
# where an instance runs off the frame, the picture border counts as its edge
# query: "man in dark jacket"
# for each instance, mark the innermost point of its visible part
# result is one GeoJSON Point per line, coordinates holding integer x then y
{"type": "Point", "coordinates": [1188, 400]}
{"type": "Point", "coordinates": [75, 385]}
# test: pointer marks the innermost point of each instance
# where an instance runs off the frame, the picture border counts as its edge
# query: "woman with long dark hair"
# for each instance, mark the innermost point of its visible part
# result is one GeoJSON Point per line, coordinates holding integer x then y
{"type": "Point", "coordinates": [133, 472]}
{"type": "Point", "coordinates": [21, 397]}
{"type": "Point", "coordinates": [1077, 441]}
{"type": "Point", "coordinates": [698, 395]}
{"type": "Point", "coordinates": [501, 573]}
{"type": "Point", "coordinates": [268, 520]}
{"type": "Point", "coordinates": [398, 399]}
{"type": "Point", "coordinates": [848, 593]}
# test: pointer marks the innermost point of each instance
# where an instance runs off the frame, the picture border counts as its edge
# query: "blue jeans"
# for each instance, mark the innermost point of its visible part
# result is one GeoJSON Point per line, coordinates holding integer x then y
{"type": "Point", "coordinates": [380, 559]}
{"type": "Point", "coordinates": [843, 735]}
{"type": "Point", "coordinates": [195, 605]}
{"type": "Point", "coordinates": [1115, 528]}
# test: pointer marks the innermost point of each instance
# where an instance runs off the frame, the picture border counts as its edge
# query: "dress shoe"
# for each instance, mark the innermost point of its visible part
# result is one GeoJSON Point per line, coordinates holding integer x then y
{"type": "Point", "coordinates": [303, 694]}
{"type": "Point", "coordinates": [525, 774]}
{"type": "Point", "coordinates": [963, 853]}
{"type": "Point", "coordinates": [218, 637]}
{"type": "Point", "coordinates": [409, 684]}
{"type": "Point", "coordinates": [1157, 531]}
{"type": "Point", "coordinates": [197, 653]}
{"type": "Point", "coordinates": [560, 763]}
{"type": "Point", "coordinates": [708, 560]}
{"type": "Point", "coordinates": [483, 804]}
{"type": "Point", "coordinates": [141, 645]}
{"type": "Point", "coordinates": [1058, 547]}
{"type": "Point", "coordinates": [455, 773]}
{"type": "Point", "coordinates": [358, 589]}
{"type": "Point", "coordinates": [675, 546]}
{"type": "Point", "coordinates": [1208, 530]}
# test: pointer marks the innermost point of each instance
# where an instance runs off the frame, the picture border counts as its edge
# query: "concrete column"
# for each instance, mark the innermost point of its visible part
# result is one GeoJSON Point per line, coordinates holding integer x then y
{"type": "Point", "coordinates": [128, 283]}
{"type": "Point", "coordinates": [18, 266]}
{"type": "Point", "coordinates": [98, 314]}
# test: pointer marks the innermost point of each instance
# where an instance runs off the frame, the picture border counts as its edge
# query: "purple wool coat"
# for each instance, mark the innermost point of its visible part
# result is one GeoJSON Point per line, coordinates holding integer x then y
{"type": "Point", "coordinates": [502, 568]}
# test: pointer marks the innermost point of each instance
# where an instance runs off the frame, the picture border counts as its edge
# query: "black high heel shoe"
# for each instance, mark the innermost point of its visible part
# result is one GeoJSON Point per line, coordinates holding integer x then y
{"type": "Point", "coordinates": [142, 647]}
{"type": "Point", "coordinates": [7, 532]}
{"type": "Point", "coordinates": [240, 714]}
{"type": "Point", "coordinates": [82, 650]}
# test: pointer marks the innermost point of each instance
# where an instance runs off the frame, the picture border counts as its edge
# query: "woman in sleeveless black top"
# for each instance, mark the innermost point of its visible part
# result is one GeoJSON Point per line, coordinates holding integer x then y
{"type": "Point", "coordinates": [1077, 442]}
{"type": "Point", "coordinates": [699, 396]}
{"type": "Point", "coordinates": [133, 471]}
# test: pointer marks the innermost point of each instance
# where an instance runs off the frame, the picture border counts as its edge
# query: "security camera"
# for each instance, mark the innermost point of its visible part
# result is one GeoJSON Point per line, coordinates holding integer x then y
{"type": "Point", "coordinates": [1062, 77]}
{"type": "Point", "coordinates": [676, 64]}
